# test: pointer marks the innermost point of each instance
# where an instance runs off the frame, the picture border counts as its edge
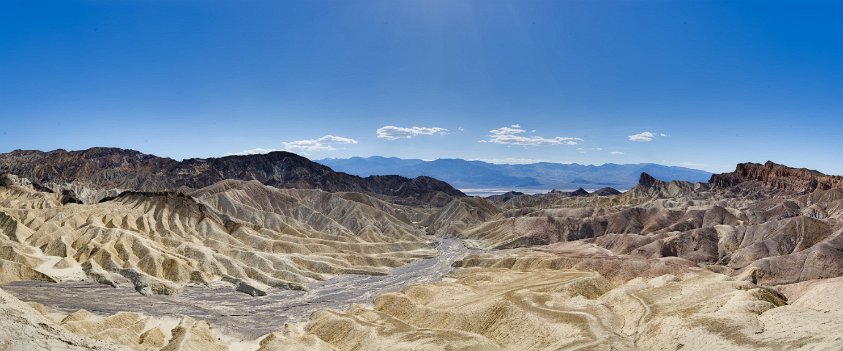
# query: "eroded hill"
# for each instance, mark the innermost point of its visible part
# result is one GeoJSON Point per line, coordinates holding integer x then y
{"type": "Point", "coordinates": [752, 259]}
{"type": "Point", "coordinates": [244, 233]}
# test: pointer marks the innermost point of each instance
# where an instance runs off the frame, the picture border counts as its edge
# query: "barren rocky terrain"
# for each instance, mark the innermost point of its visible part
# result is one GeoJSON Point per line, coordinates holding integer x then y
{"type": "Point", "coordinates": [239, 314]}
{"type": "Point", "coordinates": [114, 249]}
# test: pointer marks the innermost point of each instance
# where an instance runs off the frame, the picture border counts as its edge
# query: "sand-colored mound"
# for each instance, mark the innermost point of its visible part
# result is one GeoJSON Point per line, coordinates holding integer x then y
{"type": "Point", "coordinates": [542, 227]}
{"type": "Point", "coordinates": [123, 331]}
{"type": "Point", "coordinates": [461, 214]}
{"type": "Point", "coordinates": [584, 257]}
{"type": "Point", "coordinates": [319, 211]}
{"type": "Point", "coordinates": [24, 328]}
{"type": "Point", "coordinates": [527, 307]}
{"type": "Point", "coordinates": [539, 309]}
{"type": "Point", "coordinates": [244, 233]}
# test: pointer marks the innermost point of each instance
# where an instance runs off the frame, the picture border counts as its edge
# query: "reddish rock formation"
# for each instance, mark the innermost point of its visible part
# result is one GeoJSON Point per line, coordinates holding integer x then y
{"type": "Point", "coordinates": [800, 180]}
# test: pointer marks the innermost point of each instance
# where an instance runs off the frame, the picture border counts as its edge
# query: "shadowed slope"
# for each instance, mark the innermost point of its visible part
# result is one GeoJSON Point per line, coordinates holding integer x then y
{"type": "Point", "coordinates": [764, 231]}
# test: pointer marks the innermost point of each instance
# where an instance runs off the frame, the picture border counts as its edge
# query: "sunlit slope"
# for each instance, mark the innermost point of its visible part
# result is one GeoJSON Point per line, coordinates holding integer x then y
{"type": "Point", "coordinates": [244, 233]}
{"type": "Point", "coordinates": [558, 309]}
{"type": "Point", "coordinates": [520, 300]}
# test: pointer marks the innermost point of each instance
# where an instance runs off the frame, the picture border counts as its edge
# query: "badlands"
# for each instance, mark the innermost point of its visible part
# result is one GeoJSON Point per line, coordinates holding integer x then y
{"type": "Point", "coordinates": [112, 249]}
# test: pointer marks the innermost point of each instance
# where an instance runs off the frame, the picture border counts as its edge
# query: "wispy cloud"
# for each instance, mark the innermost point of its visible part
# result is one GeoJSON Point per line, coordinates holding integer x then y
{"type": "Point", "coordinates": [325, 143]}
{"type": "Point", "coordinates": [616, 152]}
{"type": "Point", "coordinates": [644, 137]}
{"type": "Point", "coordinates": [395, 133]}
{"type": "Point", "coordinates": [256, 151]}
{"type": "Point", "coordinates": [513, 135]}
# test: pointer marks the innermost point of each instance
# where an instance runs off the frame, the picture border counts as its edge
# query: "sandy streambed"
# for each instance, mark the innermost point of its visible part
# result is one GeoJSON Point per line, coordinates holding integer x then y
{"type": "Point", "coordinates": [237, 313]}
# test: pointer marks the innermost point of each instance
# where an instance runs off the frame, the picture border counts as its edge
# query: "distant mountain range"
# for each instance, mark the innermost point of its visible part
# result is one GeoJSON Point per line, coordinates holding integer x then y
{"type": "Point", "coordinates": [465, 174]}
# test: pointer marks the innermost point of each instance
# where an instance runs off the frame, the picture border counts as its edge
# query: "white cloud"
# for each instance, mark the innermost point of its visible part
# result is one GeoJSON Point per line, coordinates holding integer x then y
{"type": "Point", "coordinates": [512, 160]}
{"type": "Point", "coordinates": [642, 137]}
{"type": "Point", "coordinates": [395, 133]}
{"type": "Point", "coordinates": [512, 135]}
{"type": "Point", "coordinates": [325, 143]}
{"type": "Point", "coordinates": [256, 151]}
{"type": "Point", "coordinates": [616, 153]}
{"type": "Point", "coordinates": [587, 150]}
{"type": "Point", "coordinates": [662, 134]}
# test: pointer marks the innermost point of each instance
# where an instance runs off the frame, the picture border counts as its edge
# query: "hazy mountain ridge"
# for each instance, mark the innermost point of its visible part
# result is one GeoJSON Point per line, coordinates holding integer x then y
{"type": "Point", "coordinates": [466, 174]}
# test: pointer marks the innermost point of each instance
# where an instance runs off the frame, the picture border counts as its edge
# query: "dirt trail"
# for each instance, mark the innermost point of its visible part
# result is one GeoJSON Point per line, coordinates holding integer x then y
{"type": "Point", "coordinates": [235, 312]}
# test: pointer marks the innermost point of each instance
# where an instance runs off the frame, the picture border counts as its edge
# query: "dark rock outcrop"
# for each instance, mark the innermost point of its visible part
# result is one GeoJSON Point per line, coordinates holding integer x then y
{"type": "Point", "coordinates": [112, 168]}
{"type": "Point", "coordinates": [579, 192]}
{"type": "Point", "coordinates": [506, 196]}
{"type": "Point", "coordinates": [605, 192]}
{"type": "Point", "coordinates": [646, 180]}
{"type": "Point", "coordinates": [69, 197]}
{"type": "Point", "coordinates": [7, 179]}
{"type": "Point", "coordinates": [649, 187]}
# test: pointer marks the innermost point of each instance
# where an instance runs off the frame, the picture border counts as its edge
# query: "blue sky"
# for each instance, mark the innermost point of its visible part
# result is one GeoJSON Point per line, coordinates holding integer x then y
{"type": "Point", "coordinates": [714, 83]}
